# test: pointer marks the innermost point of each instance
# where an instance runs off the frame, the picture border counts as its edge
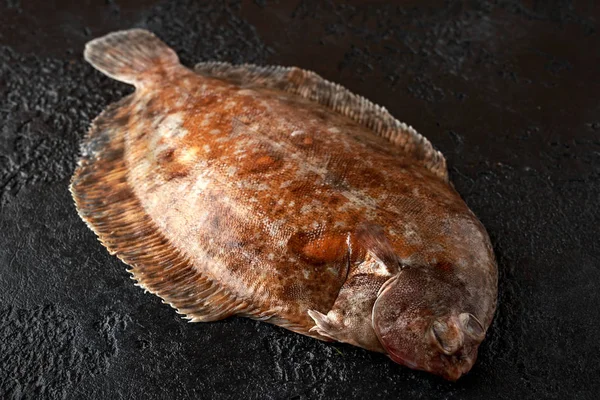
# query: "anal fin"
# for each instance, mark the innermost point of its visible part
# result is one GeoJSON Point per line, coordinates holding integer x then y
{"type": "Point", "coordinates": [107, 204]}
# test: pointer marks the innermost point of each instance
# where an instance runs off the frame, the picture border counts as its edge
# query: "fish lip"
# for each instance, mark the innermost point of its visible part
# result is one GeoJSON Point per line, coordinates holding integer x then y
{"type": "Point", "coordinates": [450, 372]}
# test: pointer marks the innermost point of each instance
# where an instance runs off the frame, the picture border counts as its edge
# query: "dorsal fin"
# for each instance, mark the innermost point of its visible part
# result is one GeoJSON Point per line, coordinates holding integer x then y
{"type": "Point", "coordinates": [309, 85]}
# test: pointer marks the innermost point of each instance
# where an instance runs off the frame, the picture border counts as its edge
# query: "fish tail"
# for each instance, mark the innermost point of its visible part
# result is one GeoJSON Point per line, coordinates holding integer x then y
{"type": "Point", "coordinates": [134, 56]}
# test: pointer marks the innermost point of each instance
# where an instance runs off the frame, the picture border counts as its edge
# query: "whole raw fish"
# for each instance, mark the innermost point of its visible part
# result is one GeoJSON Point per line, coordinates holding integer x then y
{"type": "Point", "coordinates": [271, 193]}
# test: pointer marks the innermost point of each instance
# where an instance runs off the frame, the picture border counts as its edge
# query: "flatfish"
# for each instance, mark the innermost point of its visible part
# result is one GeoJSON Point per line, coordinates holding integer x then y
{"type": "Point", "coordinates": [271, 193]}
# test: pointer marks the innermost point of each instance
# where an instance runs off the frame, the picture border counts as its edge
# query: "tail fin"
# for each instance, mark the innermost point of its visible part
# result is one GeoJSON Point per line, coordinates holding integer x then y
{"type": "Point", "coordinates": [128, 56]}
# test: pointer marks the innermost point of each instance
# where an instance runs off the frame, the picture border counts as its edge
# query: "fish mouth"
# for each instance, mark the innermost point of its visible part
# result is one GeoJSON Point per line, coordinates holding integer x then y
{"type": "Point", "coordinates": [451, 368]}
{"type": "Point", "coordinates": [443, 366]}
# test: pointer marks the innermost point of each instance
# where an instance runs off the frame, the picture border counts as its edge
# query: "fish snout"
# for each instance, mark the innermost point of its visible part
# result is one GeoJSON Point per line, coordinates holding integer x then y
{"type": "Point", "coordinates": [456, 337]}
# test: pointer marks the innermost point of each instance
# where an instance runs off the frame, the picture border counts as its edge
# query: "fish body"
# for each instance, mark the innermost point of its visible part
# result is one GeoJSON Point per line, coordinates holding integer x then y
{"type": "Point", "coordinates": [271, 193]}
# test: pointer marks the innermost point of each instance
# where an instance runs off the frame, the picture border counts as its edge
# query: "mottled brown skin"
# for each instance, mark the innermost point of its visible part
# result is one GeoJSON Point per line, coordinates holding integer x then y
{"type": "Point", "coordinates": [303, 216]}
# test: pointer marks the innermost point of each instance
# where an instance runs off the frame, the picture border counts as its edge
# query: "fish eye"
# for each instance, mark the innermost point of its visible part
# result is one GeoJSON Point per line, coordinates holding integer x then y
{"type": "Point", "coordinates": [471, 325]}
{"type": "Point", "coordinates": [438, 329]}
{"type": "Point", "coordinates": [446, 338]}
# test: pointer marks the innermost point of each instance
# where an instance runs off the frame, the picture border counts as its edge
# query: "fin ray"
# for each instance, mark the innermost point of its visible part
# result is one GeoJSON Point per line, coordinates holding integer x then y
{"type": "Point", "coordinates": [109, 207]}
{"type": "Point", "coordinates": [128, 56]}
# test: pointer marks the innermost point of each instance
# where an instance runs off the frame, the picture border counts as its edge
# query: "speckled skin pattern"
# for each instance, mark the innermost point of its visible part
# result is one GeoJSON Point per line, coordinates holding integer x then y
{"type": "Point", "coordinates": [281, 209]}
{"type": "Point", "coordinates": [506, 89]}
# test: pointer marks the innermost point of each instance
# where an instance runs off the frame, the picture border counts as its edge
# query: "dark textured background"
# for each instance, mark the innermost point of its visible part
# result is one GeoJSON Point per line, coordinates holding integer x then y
{"type": "Point", "coordinates": [508, 90]}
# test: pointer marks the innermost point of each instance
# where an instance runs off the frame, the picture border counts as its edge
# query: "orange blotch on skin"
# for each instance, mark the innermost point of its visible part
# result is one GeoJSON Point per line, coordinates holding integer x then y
{"type": "Point", "coordinates": [324, 249]}
{"type": "Point", "coordinates": [263, 163]}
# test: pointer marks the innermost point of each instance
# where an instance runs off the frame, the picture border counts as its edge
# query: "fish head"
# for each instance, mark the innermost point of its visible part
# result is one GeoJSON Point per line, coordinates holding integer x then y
{"type": "Point", "coordinates": [422, 320]}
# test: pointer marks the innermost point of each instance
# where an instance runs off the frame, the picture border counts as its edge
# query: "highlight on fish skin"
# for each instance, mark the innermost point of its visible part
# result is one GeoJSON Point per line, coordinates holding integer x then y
{"type": "Point", "coordinates": [271, 193]}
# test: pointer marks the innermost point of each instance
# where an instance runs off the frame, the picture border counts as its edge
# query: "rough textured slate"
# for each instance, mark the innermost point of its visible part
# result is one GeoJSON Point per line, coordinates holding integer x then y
{"type": "Point", "coordinates": [508, 91]}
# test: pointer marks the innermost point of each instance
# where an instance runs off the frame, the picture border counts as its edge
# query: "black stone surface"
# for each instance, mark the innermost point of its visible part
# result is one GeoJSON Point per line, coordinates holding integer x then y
{"type": "Point", "coordinates": [508, 90]}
